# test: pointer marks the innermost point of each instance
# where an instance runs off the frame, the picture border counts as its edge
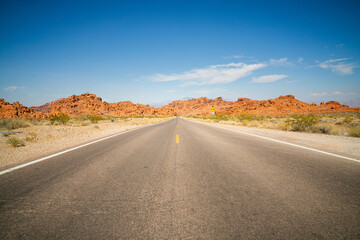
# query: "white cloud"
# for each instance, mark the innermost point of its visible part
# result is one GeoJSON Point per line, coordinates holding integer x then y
{"type": "Point", "coordinates": [338, 65]}
{"type": "Point", "coordinates": [281, 61]}
{"type": "Point", "coordinates": [319, 94]}
{"type": "Point", "coordinates": [268, 78]}
{"type": "Point", "coordinates": [300, 60]}
{"type": "Point", "coordinates": [238, 57]}
{"type": "Point", "coordinates": [215, 74]}
{"type": "Point", "coordinates": [13, 88]}
{"type": "Point", "coordinates": [337, 93]}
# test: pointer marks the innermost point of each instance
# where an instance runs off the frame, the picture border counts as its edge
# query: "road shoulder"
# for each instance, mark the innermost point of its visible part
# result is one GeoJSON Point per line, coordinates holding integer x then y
{"type": "Point", "coordinates": [347, 146]}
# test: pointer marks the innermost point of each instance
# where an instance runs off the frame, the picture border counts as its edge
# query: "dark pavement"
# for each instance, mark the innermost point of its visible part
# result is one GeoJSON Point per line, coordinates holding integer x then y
{"type": "Point", "coordinates": [213, 184]}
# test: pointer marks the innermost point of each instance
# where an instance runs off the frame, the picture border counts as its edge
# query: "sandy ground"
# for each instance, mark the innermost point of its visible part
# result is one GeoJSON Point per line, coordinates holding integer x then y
{"type": "Point", "coordinates": [347, 146]}
{"type": "Point", "coordinates": [51, 139]}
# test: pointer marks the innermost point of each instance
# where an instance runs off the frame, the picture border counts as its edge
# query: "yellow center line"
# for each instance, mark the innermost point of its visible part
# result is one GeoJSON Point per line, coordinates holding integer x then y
{"type": "Point", "coordinates": [177, 138]}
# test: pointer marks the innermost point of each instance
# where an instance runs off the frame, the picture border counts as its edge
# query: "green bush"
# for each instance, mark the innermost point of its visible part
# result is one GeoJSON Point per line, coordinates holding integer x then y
{"type": "Point", "coordinates": [13, 123]}
{"type": "Point", "coordinates": [60, 118]}
{"type": "Point", "coordinates": [94, 118]}
{"type": "Point", "coordinates": [301, 122]}
{"type": "Point", "coordinates": [15, 142]}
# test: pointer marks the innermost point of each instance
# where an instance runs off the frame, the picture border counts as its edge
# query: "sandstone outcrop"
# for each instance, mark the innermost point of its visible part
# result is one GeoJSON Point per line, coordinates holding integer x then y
{"type": "Point", "coordinates": [46, 107]}
{"type": "Point", "coordinates": [91, 104]}
{"type": "Point", "coordinates": [196, 107]}
{"type": "Point", "coordinates": [17, 110]}
{"type": "Point", "coordinates": [283, 105]}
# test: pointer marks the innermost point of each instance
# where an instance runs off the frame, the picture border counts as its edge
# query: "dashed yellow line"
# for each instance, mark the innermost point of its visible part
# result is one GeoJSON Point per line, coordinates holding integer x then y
{"type": "Point", "coordinates": [177, 125]}
{"type": "Point", "coordinates": [177, 138]}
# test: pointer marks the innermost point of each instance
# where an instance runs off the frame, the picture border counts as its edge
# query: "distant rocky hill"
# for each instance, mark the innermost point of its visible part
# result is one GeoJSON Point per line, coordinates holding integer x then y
{"type": "Point", "coordinates": [46, 107]}
{"type": "Point", "coordinates": [16, 110]}
{"type": "Point", "coordinates": [283, 105]}
{"type": "Point", "coordinates": [196, 106]}
{"type": "Point", "coordinates": [279, 106]}
{"type": "Point", "coordinates": [88, 103]}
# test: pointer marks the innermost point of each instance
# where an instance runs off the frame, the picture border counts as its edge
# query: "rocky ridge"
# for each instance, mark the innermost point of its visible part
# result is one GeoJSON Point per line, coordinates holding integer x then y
{"type": "Point", "coordinates": [17, 110]}
{"type": "Point", "coordinates": [283, 105]}
{"type": "Point", "coordinates": [77, 105]}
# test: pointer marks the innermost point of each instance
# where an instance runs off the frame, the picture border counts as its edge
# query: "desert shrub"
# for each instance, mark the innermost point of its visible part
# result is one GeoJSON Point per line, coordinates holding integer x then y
{"type": "Point", "coordinates": [250, 117]}
{"type": "Point", "coordinates": [322, 128]}
{"type": "Point", "coordinates": [30, 137]}
{"type": "Point", "coordinates": [354, 132]}
{"type": "Point", "coordinates": [85, 123]}
{"type": "Point", "coordinates": [13, 123]}
{"type": "Point", "coordinates": [35, 121]}
{"type": "Point", "coordinates": [97, 127]}
{"type": "Point", "coordinates": [220, 118]}
{"type": "Point", "coordinates": [282, 126]}
{"type": "Point", "coordinates": [94, 118]}
{"type": "Point", "coordinates": [15, 142]}
{"type": "Point", "coordinates": [60, 118]}
{"type": "Point", "coordinates": [245, 122]}
{"type": "Point", "coordinates": [347, 120]}
{"type": "Point", "coordinates": [301, 122]}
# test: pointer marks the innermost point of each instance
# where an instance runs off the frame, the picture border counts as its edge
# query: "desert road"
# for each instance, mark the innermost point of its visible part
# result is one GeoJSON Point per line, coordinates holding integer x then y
{"type": "Point", "coordinates": [183, 180]}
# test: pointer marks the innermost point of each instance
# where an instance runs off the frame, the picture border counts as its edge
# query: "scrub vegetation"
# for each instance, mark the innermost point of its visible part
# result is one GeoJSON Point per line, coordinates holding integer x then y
{"type": "Point", "coordinates": [341, 124]}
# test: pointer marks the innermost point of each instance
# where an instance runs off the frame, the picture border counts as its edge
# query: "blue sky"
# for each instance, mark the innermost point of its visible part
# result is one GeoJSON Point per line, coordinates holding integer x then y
{"type": "Point", "coordinates": [153, 52]}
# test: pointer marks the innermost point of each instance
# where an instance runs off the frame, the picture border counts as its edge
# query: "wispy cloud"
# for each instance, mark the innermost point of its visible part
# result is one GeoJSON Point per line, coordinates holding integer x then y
{"type": "Point", "coordinates": [319, 94]}
{"type": "Point", "coordinates": [280, 62]}
{"type": "Point", "coordinates": [215, 74]}
{"type": "Point", "coordinates": [300, 60]}
{"type": "Point", "coordinates": [331, 94]}
{"type": "Point", "coordinates": [268, 78]}
{"type": "Point", "coordinates": [13, 88]}
{"type": "Point", "coordinates": [239, 57]}
{"type": "Point", "coordinates": [339, 65]}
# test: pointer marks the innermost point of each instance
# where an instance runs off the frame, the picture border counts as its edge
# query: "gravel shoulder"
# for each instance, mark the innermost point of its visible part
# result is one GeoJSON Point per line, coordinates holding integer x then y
{"type": "Point", "coordinates": [51, 139]}
{"type": "Point", "coordinates": [347, 146]}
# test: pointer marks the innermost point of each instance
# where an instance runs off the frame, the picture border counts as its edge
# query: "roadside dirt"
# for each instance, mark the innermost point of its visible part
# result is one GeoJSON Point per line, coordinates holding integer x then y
{"type": "Point", "coordinates": [347, 146]}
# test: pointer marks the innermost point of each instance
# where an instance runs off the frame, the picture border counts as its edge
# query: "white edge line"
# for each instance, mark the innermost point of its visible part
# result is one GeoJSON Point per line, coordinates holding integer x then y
{"type": "Point", "coordinates": [279, 141]}
{"type": "Point", "coordinates": [71, 149]}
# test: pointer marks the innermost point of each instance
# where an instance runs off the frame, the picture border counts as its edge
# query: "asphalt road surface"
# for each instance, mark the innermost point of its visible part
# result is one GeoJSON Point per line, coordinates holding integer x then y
{"type": "Point", "coordinates": [207, 183]}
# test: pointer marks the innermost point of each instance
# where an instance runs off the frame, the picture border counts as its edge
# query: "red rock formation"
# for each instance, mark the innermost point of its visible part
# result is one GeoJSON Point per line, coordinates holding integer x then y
{"type": "Point", "coordinates": [91, 104]}
{"type": "Point", "coordinates": [17, 110]}
{"type": "Point", "coordinates": [46, 107]}
{"type": "Point", "coordinates": [197, 106]}
{"type": "Point", "coordinates": [283, 105]}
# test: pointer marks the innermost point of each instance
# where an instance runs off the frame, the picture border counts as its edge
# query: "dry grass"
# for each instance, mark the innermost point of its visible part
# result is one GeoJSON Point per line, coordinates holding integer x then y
{"type": "Point", "coordinates": [341, 124]}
